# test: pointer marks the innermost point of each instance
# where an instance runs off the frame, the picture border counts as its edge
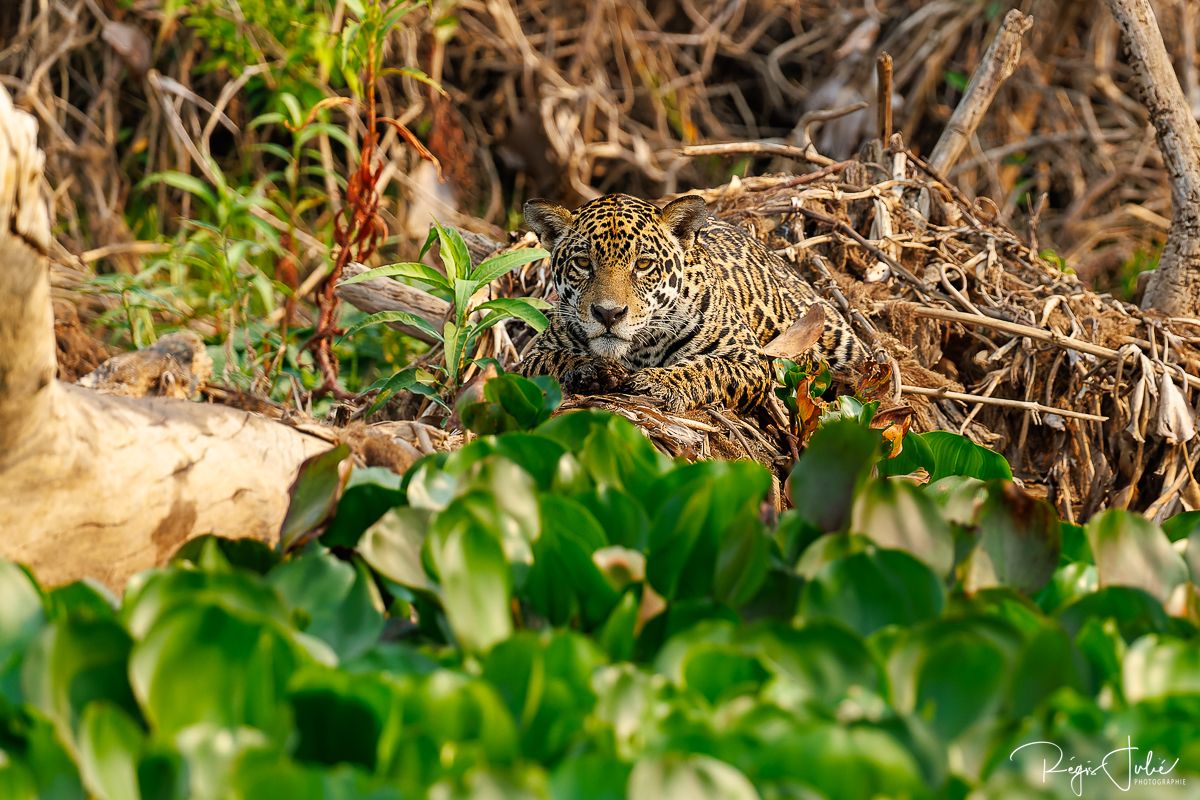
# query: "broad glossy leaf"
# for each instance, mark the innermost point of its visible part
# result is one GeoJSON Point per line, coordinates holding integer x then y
{"type": "Point", "coordinates": [823, 482]}
{"type": "Point", "coordinates": [336, 601]}
{"type": "Point", "coordinates": [392, 546]}
{"type": "Point", "coordinates": [110, 745]}
{"type": "Point", "coordinates": [74, 663]}
{"type": "Point", "coordinates": [819, 665]}
{"type": "Point", "coordinates": [1019, 541]}
{"type": "Point", "coordinates": [1159, 667]}
{"type": "Point", "coordinates": [249, 554]}
{"type": "Point", "coordinates": [592, 776]}
{"type": "Point", "coordinates": [868, 591]}
{"type": "Point", "coordinates": [202, 663]}
{"type": "Point", "coordinates": [1132, 551]}
{"type": "Point", "coordinates": [314, 494]}
{"type": "Point", "coordinates": [340, 718]}
{"type": "Point", "coordinates": [954, 454]}
{"type": "Point", "coordinates": [1134, 611]}
{"type": "Point", "coordinates": [21, 618]}
{"type": "Point", "coordinates": [159, 592]}
{"type": "Point", "coordinates": [706, 537]}
{"type": "Point", "coordinates": [369, 494]}
{"type": "Point", "coordinates": [476, 585]}
{"type": "Point", "coordinates": [678, 777]}
{"type": "Point", "coordinates": [564, 583]}
{"type": "Point", "coordinates": [897, 515]}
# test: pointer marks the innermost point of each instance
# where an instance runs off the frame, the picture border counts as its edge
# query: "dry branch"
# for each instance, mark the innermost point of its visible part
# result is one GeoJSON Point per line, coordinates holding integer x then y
{"type": "Point", "coordinates": [998, 63]}
{"type": "Point", "coordinates": [1174, 288]}
{"type": "Point", "coordinates": [104, 486]}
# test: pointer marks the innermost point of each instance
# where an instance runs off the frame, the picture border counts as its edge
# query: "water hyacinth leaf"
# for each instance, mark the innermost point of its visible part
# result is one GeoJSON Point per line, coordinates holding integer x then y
{"type": "Point", "coordinates": [201, 663]}
{"type": "Point", "coordinates": [1019, 542]}
{"type": "Point", "coordinates": [315, 493]}
{"type": "Point", "coordinates": [1159, 667]}
{"type": "Point", "coordinates": [392, 546]}
{"type": "Point", "coordinates": [706, 536]}
{"type": "Point", "coordinates": [369, 494]}
{"type": "Point", "coordinates": [564, 583]}
{"type": "Point", "coordinates": [110, 745]}
{"type": "Point", "coordinates": [819, 665]}
{"type": "Point", "coordinates": [1132, 551]}
{"type": "Point", "coordinates": [335, 601]}
{"type": "Point", "coordinates": [1134, 611]}
{"type": "Point", "coordinates": [897, 515]}
{"type": "Point", "coordinates": [868, 591]}
{"type": "Point", "coordinates": [340, 717]}
{"type": "Point", "coordinates": [21, 618]}
{"type": "Point", "coordinates": [678, 777]}
{"type": "Point", "coordinates": [823, 482]}
{"type": "Point", "coordinates": [476, 585]}
{"type": "Point", "coordinates": [954, 454]}
{"type": "Point", "coordinates": [592, 776]}
{"type": "Point", "coordinates": [74, 663]}
{"type": "Point", "coordinates": [1182, 525]}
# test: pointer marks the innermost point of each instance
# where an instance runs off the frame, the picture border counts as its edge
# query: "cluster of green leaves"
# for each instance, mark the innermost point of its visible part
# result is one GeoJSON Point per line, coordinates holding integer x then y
{"type": "Point", "coordinates": [458, 336]}
{"type": "Point", "coordinates": [564, 612]}
{"type": "Point", "coordinates": [226, 269]}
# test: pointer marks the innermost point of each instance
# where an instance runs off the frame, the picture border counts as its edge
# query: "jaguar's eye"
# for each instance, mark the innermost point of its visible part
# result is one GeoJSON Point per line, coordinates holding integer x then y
{"type": "Point", "coordinates": [582, 262]}
{"type": "Point", "coordinates": [643, 265]}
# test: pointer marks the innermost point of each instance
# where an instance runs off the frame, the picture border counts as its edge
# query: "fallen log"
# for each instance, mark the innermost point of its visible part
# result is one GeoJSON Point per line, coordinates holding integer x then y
{"type": "Point", "coordinates": [100, 485]}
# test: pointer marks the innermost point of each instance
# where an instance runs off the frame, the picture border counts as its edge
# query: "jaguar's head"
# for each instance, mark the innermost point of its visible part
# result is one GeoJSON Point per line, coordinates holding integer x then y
{"type": "Point", "coordinates": [618, 265]}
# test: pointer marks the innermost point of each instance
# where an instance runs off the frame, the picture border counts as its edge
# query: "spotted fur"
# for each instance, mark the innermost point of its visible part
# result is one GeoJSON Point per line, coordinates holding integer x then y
{"type": "Point", "coordinates": [671, 303]}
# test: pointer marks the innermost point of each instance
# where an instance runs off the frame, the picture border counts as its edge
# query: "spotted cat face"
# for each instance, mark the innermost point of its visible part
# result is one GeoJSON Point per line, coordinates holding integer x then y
{"type": "Point", "coordinates": [618, 265]}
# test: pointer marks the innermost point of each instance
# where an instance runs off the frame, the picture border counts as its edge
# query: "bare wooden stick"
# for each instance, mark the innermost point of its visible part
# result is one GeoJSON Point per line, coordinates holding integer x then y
{"type": "Point", "coordinates": [758, 149]}
{"type": "Point", "coordinates": [987, 400]}
{"type": "Point", "coordinates": [998, 63]}
{"type": "Point", "coordinates": [883, 93]}
{"type": "Point", "coordinates": [1174, 288]}
{"type": "Point", "coordinates": [1038, 334]}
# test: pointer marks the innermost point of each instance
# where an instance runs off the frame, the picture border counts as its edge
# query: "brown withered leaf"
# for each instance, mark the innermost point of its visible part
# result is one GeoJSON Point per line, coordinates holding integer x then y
{"type": "Point", "coordinates": [875, 383]}
{"type": "Point", "coordinates": [893, 423]}
{"type": "Point", "coordinates": [798, 339]}
{"type": "Point", "coordinates": [808, 410]}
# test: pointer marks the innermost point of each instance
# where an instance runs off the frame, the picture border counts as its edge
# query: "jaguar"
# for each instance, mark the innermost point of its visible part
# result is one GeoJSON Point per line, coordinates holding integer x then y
{"type": "Point", "coordinates": [673, 303]}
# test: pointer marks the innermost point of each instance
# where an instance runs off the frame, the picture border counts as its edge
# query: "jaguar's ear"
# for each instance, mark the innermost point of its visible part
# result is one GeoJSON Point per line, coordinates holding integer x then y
{"type": "Point", "coordinates": [549, 221]}
{"type": "Point", "coordinates": [684, 216]}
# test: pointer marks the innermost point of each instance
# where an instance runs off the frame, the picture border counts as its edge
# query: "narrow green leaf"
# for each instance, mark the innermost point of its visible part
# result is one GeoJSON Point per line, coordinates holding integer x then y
{"type": "Point", "coordinates": [455, 255]}
{"type": "Point", "coordinates": [405, 269]}
{"type": "Point", "coordinates": [398, 318]}
{"type": "Point", "coordinates": [525, 309]}
{"type": "Point", "coordinates": [498, 266]}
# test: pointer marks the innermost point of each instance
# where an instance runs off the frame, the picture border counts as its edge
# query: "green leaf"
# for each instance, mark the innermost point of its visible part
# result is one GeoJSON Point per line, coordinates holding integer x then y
{"type": "Point", "coordinates": [110, 745]}
{"type": "Point", "coordinates": [1159, 667]}
{"type": "Point", "coordinates": [706, 537]}
{"type": "Point", "coordinates": [21, 618]}
{"type": "Point", "coordinates": [896, 514]}
{"type": "Point", "coordinates": [1132, 551]}
{"type": "Point", "coordinates": [407, 269]}
{"type": "Point", "coordinates": [838, 457]}
{"type": "Point", "coordinates": [1019, 541]}
{"type": "Point", "coordinates": [475, 583]}
{"type": "Point", "coordinates": [369, 494]}
{"type": "Point", "coordinates": [201, 663]}
{"type": "Point", "coordinates": [678, 777]}
{"type": "Point", "coordinates": [453, 345]}
{"type": "Point", "coordinates": [463, 290]}
{"type": "Point", "coordinates": [957, 455]}
{"type": "Point", "coordinates": [184, 182]}
{"type": "Point", "coordinates": [455, 255]}
{"type": "Point", "coordinates": [868, 591]}
{"type": "Point", "coordinates": [249, 554]}
{"type": "Point", "coordinates": [398, 317]}
{"type": "Point", "coordinates": [1181, 526]}
{"type": "Point", "coordinates": [498, 266]}
{"type": "Point", "coordinates": [337, 600]}
{"type": "Point", "coordinates": [525, 309]}
{"type": "Point", "coordinates": [392, 546]}
{"type": "Point", "coordinates": [314, 494]}
{"type": "Point", "coordinates": [74, 663]}
{"type": "Point", "coordinates": [564, 583]}
{"type": "Point", "coordinates": [340, 718]}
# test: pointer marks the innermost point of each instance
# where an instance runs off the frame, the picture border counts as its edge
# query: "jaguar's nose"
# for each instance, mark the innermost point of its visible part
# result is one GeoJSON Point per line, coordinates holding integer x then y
{"type": "Point", "coordinates": [608, 314]}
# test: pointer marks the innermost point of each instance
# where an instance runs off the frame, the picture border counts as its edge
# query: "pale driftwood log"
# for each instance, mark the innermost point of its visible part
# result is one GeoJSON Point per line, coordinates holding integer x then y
{"type": "Point", "coordinates": [998, 64]}
{"type": "Point", "coordinates": [100, 486]}
{"type": "Point", "coordinates": [1174, 288]}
